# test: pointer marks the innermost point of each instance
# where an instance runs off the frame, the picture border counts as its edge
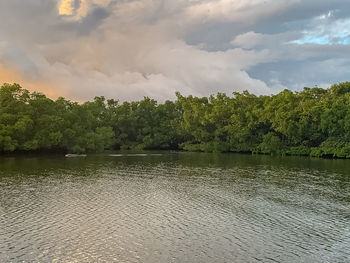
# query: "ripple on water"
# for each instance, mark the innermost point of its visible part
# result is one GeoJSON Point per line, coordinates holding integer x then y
{"type": "Point", "coordinates": [166, 211]}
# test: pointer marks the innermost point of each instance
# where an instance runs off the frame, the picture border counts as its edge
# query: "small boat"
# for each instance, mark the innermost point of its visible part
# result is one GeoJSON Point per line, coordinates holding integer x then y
{"type": "Point", "coordinates": [75, 155]}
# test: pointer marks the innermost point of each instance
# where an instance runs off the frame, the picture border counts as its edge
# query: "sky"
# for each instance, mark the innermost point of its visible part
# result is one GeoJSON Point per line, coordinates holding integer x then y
{"type": "Point", "coordinates": [128, 49]}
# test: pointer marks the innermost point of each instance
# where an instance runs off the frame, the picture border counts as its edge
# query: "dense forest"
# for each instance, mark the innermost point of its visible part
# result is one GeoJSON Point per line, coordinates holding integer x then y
{"type": "Point", "coordinates": [314, 122]}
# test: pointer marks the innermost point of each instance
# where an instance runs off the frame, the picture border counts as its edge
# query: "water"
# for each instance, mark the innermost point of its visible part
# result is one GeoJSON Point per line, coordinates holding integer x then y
{"type": "Point", "coordinates": [174, 207]}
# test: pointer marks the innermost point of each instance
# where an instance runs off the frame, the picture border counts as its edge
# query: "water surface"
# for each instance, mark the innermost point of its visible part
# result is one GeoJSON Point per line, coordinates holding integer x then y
{"type": "Point", "coordinates": [174, 207]}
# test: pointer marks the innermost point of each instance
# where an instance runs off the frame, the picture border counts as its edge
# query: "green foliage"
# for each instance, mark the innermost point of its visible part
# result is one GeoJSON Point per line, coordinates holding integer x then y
{"type": "Point", "coordinates": [271, 144]}
{"type": "Point", "coordinates": [298, 150]}
{"type": "Point", "coordinates": [314, 122]}
{"type": "Point", "coordinates": [332, 148]}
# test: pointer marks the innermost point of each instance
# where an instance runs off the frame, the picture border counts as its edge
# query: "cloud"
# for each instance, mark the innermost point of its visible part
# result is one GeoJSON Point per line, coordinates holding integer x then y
{"type": "Point", "coordinates": [238, 10]}
{"type": "Point", "coordinates": [324, 31]}
{"type": "Point", "coordinates": [134, 48]}
{"type": "Point", "coordinates": [78, 9]}
{"type": "Point", "coordinates": [66, 7]}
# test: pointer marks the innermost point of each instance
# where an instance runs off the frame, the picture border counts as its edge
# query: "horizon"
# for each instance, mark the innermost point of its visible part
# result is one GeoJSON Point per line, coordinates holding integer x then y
{"type": "Point", "coordinates": [128, 50]}
{"type": "Point", "coordinates": [159, 101]}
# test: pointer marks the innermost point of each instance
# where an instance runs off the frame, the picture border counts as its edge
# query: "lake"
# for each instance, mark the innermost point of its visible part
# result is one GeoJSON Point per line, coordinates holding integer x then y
{"type": "Point", "coordinates": [174, 207]}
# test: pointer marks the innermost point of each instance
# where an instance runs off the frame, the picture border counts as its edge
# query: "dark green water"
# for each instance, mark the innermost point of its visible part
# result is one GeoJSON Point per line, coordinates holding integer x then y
{"type": "Point", "coordinates": [174, 207]}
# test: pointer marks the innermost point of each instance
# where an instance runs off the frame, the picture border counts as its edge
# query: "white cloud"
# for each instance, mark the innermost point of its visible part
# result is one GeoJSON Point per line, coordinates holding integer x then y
{"type": "Point", "coordinates": [238, 10]}
{"type": "Point", "coordinates": [128, 58]}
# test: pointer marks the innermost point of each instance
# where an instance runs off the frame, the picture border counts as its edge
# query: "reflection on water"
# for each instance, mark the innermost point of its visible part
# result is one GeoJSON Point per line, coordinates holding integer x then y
{"type": "Point", "coordinates": [174, 207]}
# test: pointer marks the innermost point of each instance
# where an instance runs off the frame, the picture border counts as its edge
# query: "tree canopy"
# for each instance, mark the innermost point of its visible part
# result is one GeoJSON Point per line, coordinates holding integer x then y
{"type": "Point", "coordinates": [314, 122]}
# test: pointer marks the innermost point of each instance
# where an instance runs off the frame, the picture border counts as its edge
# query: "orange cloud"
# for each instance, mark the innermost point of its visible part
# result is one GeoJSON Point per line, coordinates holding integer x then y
{"type": "Point", "coordinates": [66, 7]}
{"type": "Point", "coordinates": [76, 12]}
{"type": "Point", "coordinates": [10, 76]}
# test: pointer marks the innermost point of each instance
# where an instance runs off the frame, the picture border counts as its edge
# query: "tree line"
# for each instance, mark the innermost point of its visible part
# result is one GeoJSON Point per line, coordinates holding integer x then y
{"type": "Point", "coordinates": [312, 122]}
